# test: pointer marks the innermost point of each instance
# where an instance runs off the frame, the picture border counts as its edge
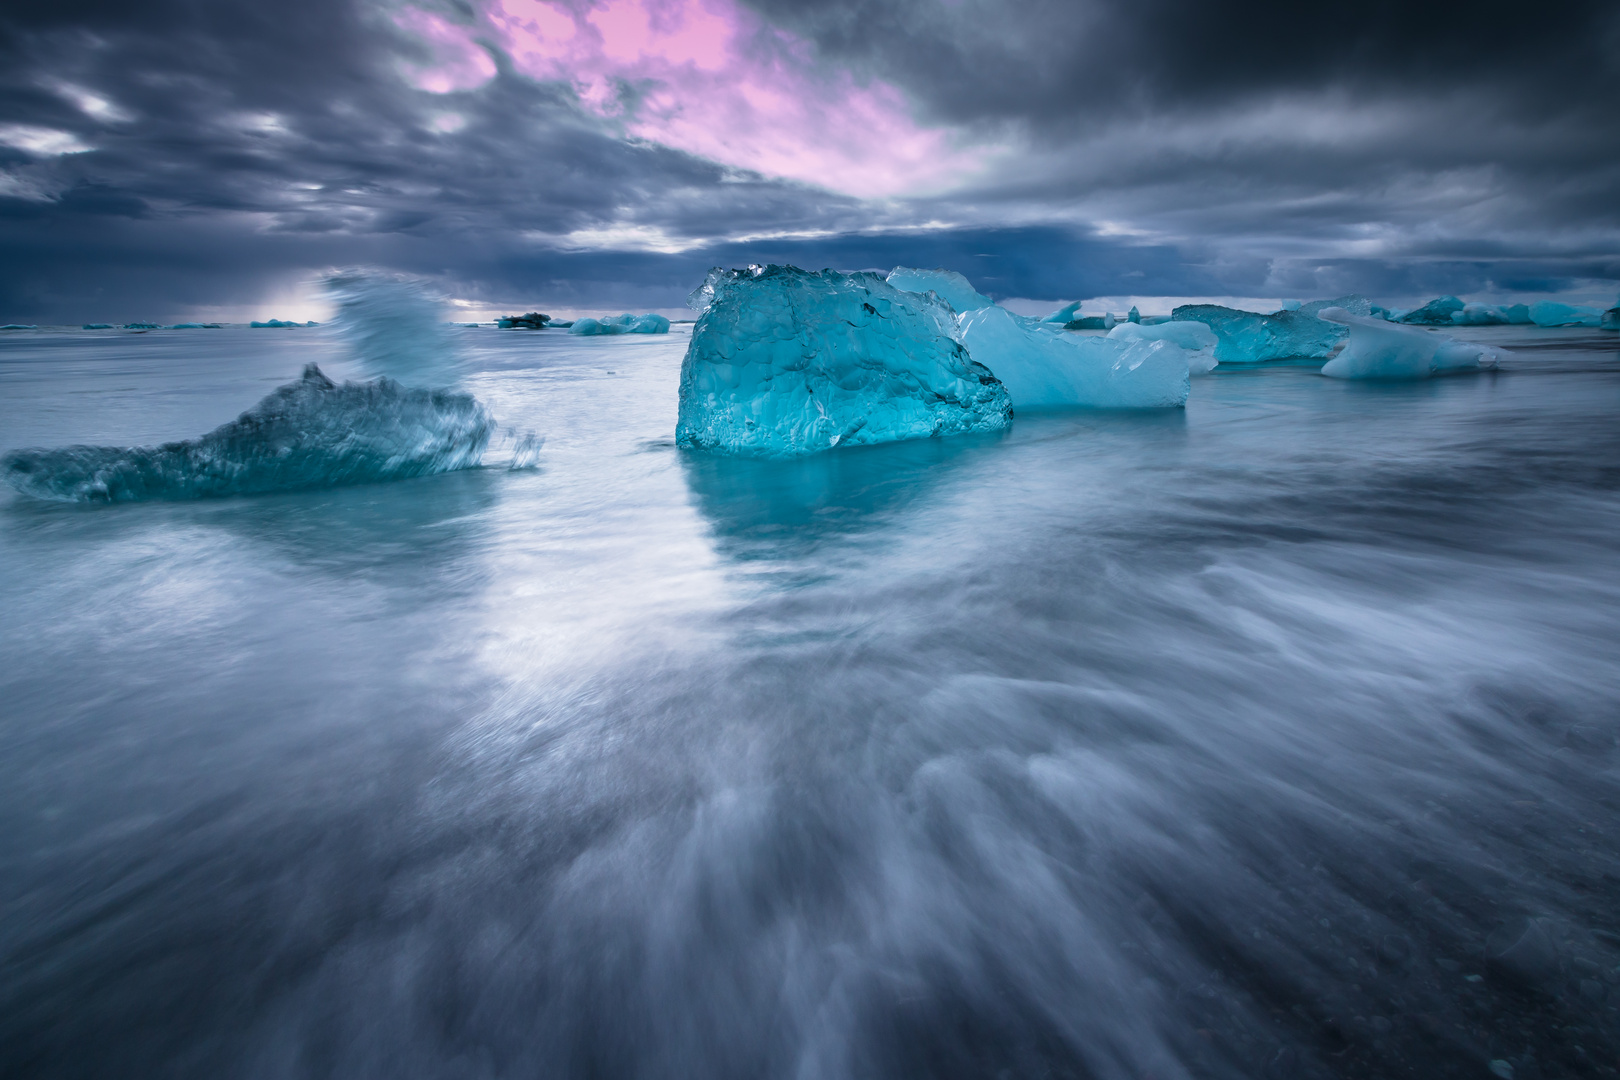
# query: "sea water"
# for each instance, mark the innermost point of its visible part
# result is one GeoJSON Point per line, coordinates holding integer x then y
{"type": "Point", "coordinates": [1275, 737]}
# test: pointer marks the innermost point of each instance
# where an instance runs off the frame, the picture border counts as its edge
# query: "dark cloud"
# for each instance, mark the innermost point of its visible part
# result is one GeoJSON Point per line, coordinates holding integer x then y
{"type": "Point", "coordinates": [1177, 148]}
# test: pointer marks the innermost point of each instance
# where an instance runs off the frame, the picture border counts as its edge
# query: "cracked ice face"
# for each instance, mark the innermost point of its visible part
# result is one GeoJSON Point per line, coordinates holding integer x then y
{"type": "Point", "coordinates": [706, 77]}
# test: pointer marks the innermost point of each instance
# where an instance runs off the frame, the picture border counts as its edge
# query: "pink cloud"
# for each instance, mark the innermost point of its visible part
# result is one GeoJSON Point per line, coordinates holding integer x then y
{"type": "Point", "coordinates": [706, 77]}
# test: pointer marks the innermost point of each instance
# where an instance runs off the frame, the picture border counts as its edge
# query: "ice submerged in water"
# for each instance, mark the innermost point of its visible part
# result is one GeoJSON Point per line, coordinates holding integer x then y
{"type": "Point", "coordinates": [1044, 366]}
{"type": "Point", "coordinates": [948, 285]}
{"type": "Point", "coordinates": [1385, 350]}
{"type": "Point", "coordinates": [786, 362]}
{"type": "Point", "coordinates": [1246, 337]}
{"type": "Point", "coordinates": [309, 433]}
{"type": "Point", "coordinates": [622, 324]}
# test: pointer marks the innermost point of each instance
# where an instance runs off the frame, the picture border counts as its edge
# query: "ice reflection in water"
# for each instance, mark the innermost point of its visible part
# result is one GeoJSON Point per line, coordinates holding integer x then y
{"type": "Point", "coordinates": [1274, 740]}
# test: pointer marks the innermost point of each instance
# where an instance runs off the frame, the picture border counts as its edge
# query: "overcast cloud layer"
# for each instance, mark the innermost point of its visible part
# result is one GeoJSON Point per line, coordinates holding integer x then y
{"type": "Point", "coordinates": [165, 158]}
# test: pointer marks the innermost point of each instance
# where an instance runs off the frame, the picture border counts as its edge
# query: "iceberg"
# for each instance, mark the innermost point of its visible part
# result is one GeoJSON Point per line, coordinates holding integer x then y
{"type": "Point", "coordinates": [18, 326]}
{"type": "Point", "coordinates": [1434, 313]}
{"type": "Point", "coordinates": [1477, 314]}
{"type": "Point", "coordinates": [1354, 303]}
{"type": "Point", "coordinates": [1383, 350]}
{"type": "Point", "coordinates": [948, 285]}
{"type": "Point", "coordinates": [1552, 313]}
{"type": "Point", "coordinates": [1045, 367]}
{"type": "Point", "coordinates": [1133, 316]}
{"type": "Point", "coordinates": [1245, 337]}
{"type": "Point", "coordinates": [1091, 322]}
{"type": "Point", "coordinates": [310, 433]}
{"type": "Point", "coordinates": [623, 324]}
{"type": "Point", "coordinates": [270, 324]}
{"type": "Point", "coordinates": [99, 326]}
{"type": "Point", "coordinates": [1517, 314]}
{"type": "Point", "coordinates": [534, 320]}
{"type": "Point", "coordinates": [1611, 319]}
{"type": "Point", "coordinates": [1063, 315]}
{"type": "Point", "coordinates": [786, 362]}
{"type": "Point", "coordinates": [1194, 338]}
{"type": "Point", "coordinates": [142, 326]}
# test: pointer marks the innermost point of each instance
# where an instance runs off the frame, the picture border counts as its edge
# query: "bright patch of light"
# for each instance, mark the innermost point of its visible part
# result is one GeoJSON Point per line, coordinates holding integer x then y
{"type": "Point", "coordinates": [41, 140]}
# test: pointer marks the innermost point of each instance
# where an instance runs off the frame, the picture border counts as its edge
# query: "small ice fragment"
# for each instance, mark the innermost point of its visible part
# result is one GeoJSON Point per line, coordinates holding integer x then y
{"type": "Point", "coordinates": [1245, 337]}
{"type": "Point", "coordinates": [1046, 367]}
{"type": "Point", "coordinates": [1381, 350]}
{"type": "Point", "coordinates": [786, 362]}
{"type": "Point", "coordinates": [948, 285]}
{"type": "Point", "coordinates": [1063, 314]}
{"type": "Point", "coordinates": [1133, 315]}
{"type": "Point", "coordinates": [309, 433]}
{"type": "Point", "coordinates": [1196, 339]}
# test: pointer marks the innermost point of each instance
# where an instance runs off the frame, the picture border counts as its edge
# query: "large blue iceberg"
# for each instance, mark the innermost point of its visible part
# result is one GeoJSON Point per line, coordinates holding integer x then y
{"type": "Point", "coordinates": [948, 285]}
{"type": "Point", "coordinates": [1246, 337]}
{"type": "Point", "coordinates": [309, 433]}
{"type": "Point", "coordinates": [785, 362]}
{"type": "Point", "coordinates": [1044, 366]}
{"type": "Point", "coordinates": [1384, 350]}
{"type": "Point", "coordinates": [621, 324]}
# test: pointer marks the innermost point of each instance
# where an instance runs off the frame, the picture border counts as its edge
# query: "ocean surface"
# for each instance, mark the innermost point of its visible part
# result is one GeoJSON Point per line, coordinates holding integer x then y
{"type": "Point", "coordinates": [1272, 738]}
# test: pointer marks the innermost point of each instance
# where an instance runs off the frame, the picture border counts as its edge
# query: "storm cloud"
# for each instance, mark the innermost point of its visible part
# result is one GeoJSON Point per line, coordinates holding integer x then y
{"type": "Point", "coordinates": [163, 158]}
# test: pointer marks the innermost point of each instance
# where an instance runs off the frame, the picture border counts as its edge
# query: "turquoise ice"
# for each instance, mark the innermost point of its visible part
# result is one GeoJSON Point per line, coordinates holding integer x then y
{"type": "Point", "coordinates": [786, 362]}
{"type": "Point", "coordinates": [622, 324]}
{"type": "Point", "coordinates": [309, 433]}
{"type": "Point", "coordinates": [1552, 313]}
{"type": "Point", "coordinates": [1194, 338]}
{"type": "Point", "coordinates": [948, 285]}
{"type": "Point", "coordinates": [1435, 313]}
{"type": "Point", "coordinates": [1246, 337]}
{"type": "Point", "coordinates": [1043, 366]}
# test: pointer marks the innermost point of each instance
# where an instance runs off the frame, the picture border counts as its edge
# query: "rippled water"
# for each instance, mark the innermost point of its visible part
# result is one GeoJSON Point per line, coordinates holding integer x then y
{"type": "Point", "coordinates": [1274, 738]}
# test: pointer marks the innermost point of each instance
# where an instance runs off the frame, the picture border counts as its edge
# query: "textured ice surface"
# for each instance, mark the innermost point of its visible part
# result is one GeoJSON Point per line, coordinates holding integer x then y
{"type": "Point", "coordinates": [1434, 313]}
{"type": "Point", "coordinates": [309, 433]}
{"type": "Point", "coordinates": [1478, 314]}
{"type": "Point", "coordinates": [1043, 366]}
{"type": "Point", "coordinates": [1245, 337]}
{"type": "Point", "coordinates": [1552, 313]}
{"type": "Point", "coordinates": [1384, 350]}
{"type": "Point", "coordinates": [394, 326]}
{"type": "Point", "coordinates": [1354, 303]}
{"type": "Point", "coordinates": [1194, 338]}
{"type": "Point", "coordinates": [1063, 315]}
{"type": "Point", "coordinates": [622, 324]}
{"type": "Point", "coordinates": [948, 285]}
{"type": "Point", "coordinates": [786, 362]}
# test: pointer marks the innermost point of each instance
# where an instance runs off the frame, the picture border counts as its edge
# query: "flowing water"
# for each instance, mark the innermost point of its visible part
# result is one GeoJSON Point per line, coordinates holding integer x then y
{"type": "Point", "coordinates": [1272, 738]}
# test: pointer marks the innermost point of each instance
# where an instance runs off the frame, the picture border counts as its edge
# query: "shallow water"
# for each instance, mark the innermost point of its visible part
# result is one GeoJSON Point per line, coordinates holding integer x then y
{"type": "Point", "coordinates": [1274, 738]}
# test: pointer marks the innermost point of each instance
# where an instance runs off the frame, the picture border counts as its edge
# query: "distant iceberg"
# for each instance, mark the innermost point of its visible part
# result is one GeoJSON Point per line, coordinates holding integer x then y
{"type": "Point", "coordinates": [196, 326]}
{"type": "Point", "coordinates": [143, 326]}
{"type": "Point", "coordinates": [1552, 313]}
{"type": "Point", "coordinates": [622, 324]}
{"type": "Point", "coordinates": [1246, 337]}
{"type": "Point", "coordinates": [1611, 318]}
{"type": "Point", "coordinates": [1194, 338]}
{"type": "Point", "coordinates": [1434, 313]}
{"type": "Point", "coordinates": [533, 320]}
{"type": "Point", "coordinates": [19, 326]}
{"type": "Point", "coordinates": [1043, 366]}
{"type": "Point", "coordinates": [1477, 314]}
{"type": "Point", "coordinates": [99, 326]}
{"type": "Point", "coordinates": [271, 324]}
{"type": "Point", "coordinates": [1382, 350]}
{"type": "Point", "coordinates": [1062, 315]}
{"type": "Point", "coordinates": [948, 285]}
{"type": "Point", "coordinates": [308, 434]}
{"type": "Point", "coordinates": [786, 362]}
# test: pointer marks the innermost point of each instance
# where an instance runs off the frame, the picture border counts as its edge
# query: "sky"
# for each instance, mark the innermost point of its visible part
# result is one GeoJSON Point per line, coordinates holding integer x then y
{"type": "Point", "coordinates": [173, 159]}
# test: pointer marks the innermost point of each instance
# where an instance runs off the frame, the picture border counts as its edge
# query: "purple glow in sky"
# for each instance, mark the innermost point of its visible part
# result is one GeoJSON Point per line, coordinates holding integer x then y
{"type": "Point", "coordinates": [706, 77]}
